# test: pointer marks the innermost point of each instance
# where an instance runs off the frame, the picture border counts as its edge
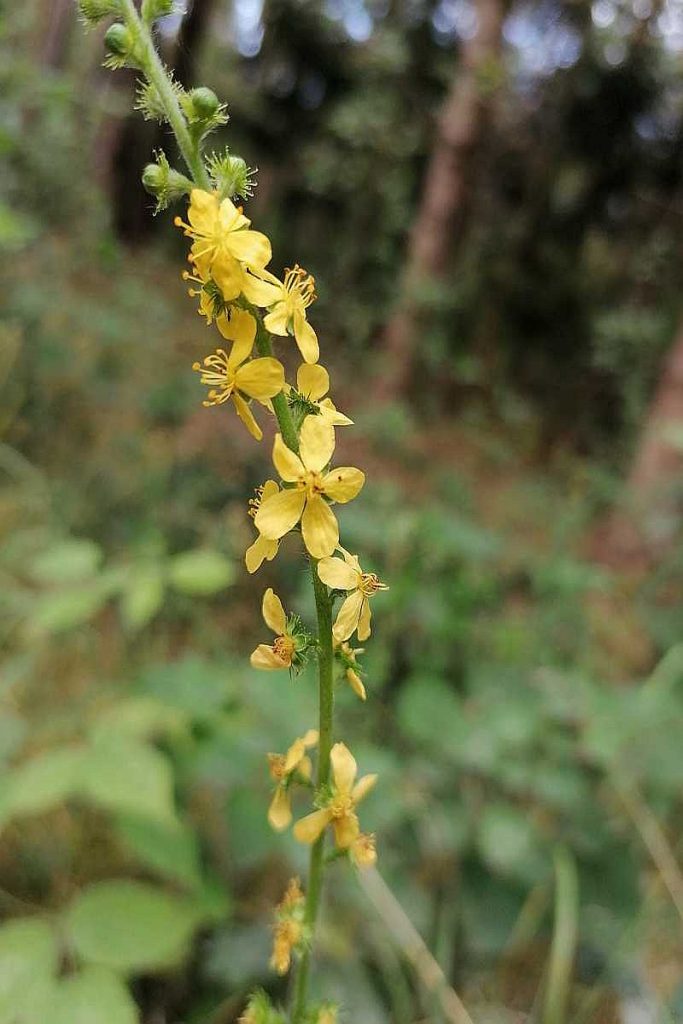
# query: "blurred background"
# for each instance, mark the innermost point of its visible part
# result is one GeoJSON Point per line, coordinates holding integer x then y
{"type": "Point", "coordinates": [490, 196]}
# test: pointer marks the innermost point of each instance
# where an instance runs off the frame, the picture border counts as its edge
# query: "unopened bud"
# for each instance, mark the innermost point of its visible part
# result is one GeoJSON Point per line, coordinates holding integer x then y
{"type": "Point", "coordinates": [153, 9]}
{"type": "Point", "coordinates": [118, 40]}
{"type": "Point", "coordinates": [165, 184]}
{"type": "Point", "coordinates": [231, 175]}
{"type": "Point", "coordinates": [204, 101]}
{"type": "Point", "coordinates": [94, 10]}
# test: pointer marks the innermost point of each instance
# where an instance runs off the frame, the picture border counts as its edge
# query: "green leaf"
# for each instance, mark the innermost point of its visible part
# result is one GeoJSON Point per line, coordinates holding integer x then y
{"type": "Point", "coordinates": [67, 562]}
{"type": "Point", "coordinates": [122, 774]}
{"type": "Point", "coordinates": [172, 850]}
{"type": "Point", "coordinates": [58, 612]}
{"type": "Point", "coordinates": [28, 964]}
{"type": "Point", "coordinates": [43, 782]}
{"type": "Point", "coordinates": [93, 996]}
{"type": "Point", "coordinates": [130, 926]}
{"type": "Point", "coordinates": [430, 713]}
{"type": "Point", "coordinates": [200, 572]}
{"type": "Point", "coordinates": [508, 843]}
{"type": "Point", "coordinates": [142, 596]}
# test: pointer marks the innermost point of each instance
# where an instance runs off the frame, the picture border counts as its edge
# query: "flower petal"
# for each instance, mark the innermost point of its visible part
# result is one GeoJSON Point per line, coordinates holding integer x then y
{"type": "Point", "coordinates": [349, 614]}
{"type": "Point", "coordinates": [329, 412]}
{"type": "Point", "coordinates": [228, 275]}
{"type": "Point", "coordinates": [312, 381]}
{"type": "Point", "coordinates": [319, 527]}
{"type": "Point", "coordinates": [273, 612]}
{"type": "Point", "coordinates": [264, 657]}
{"type": "Point", "coordinates": [346, 831]}
{"type": "Point", "coordinates": [306, 337]}
{"type": "Point", "coordinates": [363, 787]}
{"type": "Point", "coordinates": [230, 217]}
{"type": "Point", "coordinates": [262, 550]}
{"type": "Point", "coordinates": [344, 768]}
{"type": "Point", "coordinates": [308, 829]}
{"type": "Point", "coordinates": [316, 443]}
{"type": "Point", "coordinates": [336, 574]}
{"type": "Point", "coordinates": [240, 328]}
{"type": "Point", "coordinates": [294, 755]}
{"type": "Point", "coordinates": [280, 810]}
{"type": "Point", "coordinates": [286, 462]}
{"type": "Point", "coordinates": [250, 247]}
{"type": "Point", "coordinates": [259, 292]}
{"type": "Point", "coordinates": [247, 416]}
{"type": "Point", "coordinates": [356, 683]}
{"type": "Point", "coordinates": [310, 738]}
{"type": "Point", "coordinates": [279, 514]}
{"type": "Point", "coordinates": [278, 319]}
{"type": "Point", "coordinates": [260, 378]}
{"type": "Point", "coordinates": [202, 212]}
{"type": "Point", "coordinates": [364, 620]}
{"type": "Point", "coordinates": [344, 483]}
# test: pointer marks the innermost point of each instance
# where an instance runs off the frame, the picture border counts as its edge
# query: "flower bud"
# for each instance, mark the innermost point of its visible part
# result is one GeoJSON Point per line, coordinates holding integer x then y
{"type": "Point", "coordinates": [94, 10]}
{"type": "Point", "coordinates": [231, 175]}
{"type": "Point", "coordinates": [153, 9]}
{"type": "Point", "coordinates": [165, 184]}
{"type": "Point", "coordinates": [118, 40]}
{"type": "Point", "coordinates": [204, 102]}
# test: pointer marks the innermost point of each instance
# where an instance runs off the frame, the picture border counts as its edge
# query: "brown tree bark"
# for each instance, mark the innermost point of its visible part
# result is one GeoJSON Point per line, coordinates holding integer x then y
{"type": "Point", "coordinates": [445, 191]}
{"type": "Point", "coordinates": [648, 520]}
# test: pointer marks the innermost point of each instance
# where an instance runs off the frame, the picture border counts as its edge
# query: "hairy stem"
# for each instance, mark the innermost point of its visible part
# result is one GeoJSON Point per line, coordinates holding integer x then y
{"type": "Point", "coordinates": [158, 76]}
{"type": "Point", "coordinates": [323, 606]}
{"type": "Point", "coordinates": [282, 413]}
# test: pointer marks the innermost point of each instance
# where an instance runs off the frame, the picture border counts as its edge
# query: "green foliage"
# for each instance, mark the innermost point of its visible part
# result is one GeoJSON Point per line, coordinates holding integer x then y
{"type": "Point", "coordinates": [130, 927]}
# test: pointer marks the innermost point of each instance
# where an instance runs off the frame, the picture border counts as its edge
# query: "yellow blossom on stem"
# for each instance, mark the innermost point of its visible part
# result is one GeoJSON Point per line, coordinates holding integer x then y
{"type": "Point", "coordinates": [289, 929]}
{"type": "Point", "coordinates": [347, 655]}
{"type": "Point", "coordinates": [282, 769]}
{"type": "Point", "coordinates": [262, 550]}
{"type": "Point", "coordinates": [224, 249]}
{"type": "Point", "coordinates": [340, 809]}
{"type": "Point", "coordinates": [282, 652]}
{"type": "Point", "coordinates": [346, 574]}
{"type": "Point", "coordinates": [288, 302]}
{"type": "Point", "coordinates": [313, 383]}
{"type": "Point", "coordinates": [230, 376]}
{"type": "Point", "coordinates": [305, 501]}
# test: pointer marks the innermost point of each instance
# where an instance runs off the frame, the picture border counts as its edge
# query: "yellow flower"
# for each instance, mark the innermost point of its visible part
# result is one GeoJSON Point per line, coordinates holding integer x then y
{"type": "Point", "coordinates": [363, 850]}
{"type": "Point", "coordinates": [347, 575]}
{"type": "Point", "coordinates": [230, 376]}
{"type": "Point", "coordinates": [288, 303]}
{"type": "Point", "coordinates": [282, 768]}
{"type": "Point", "coordinates": [340, 809]}
{"type": "Point", "coordinates": [282, 652]}
{"type": "Point", "coordinates": [306, 500]}
{"type": "Point", "coordinates": [313, 383]}
{"type": "Point", "coordinates": [347, 656]}
{"type": "Point", "coordinates": [262, 550]}
{"type": "Point", "coordinates": [224, 249]}
{"type": "Point", "coordinates": [289, 929]}
{"type": "Point", "coordinates": [327, 1015]}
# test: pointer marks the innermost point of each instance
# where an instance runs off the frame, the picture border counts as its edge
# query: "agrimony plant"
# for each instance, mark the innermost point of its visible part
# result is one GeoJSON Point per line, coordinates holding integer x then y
{"type": "Point", "coordinates": [250, 307]}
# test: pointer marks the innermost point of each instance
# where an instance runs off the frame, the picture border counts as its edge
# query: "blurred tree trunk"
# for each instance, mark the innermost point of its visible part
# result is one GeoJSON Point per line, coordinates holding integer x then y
{"type": "Point", "coordinates": [649, 519]}
{"type": "Point", "coordinates": [447, 183]}
{"type": "Point", "coordinates": [58, 17]}
{"type": "Point", "coordinates": [137, 139]}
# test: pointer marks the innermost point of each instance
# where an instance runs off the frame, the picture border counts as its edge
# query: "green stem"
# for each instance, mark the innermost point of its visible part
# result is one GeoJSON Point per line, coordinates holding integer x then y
{"type": "Point", "coordinates": [157, 75]}
{"type": "Point", "coordinates": [323, 606]}
{"type": "Point", "coordinates": [282, 412]}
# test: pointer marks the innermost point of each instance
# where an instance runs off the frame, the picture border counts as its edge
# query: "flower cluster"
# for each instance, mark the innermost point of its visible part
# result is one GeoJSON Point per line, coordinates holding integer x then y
{"type": "Point", "coordinates": [248, 304]}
